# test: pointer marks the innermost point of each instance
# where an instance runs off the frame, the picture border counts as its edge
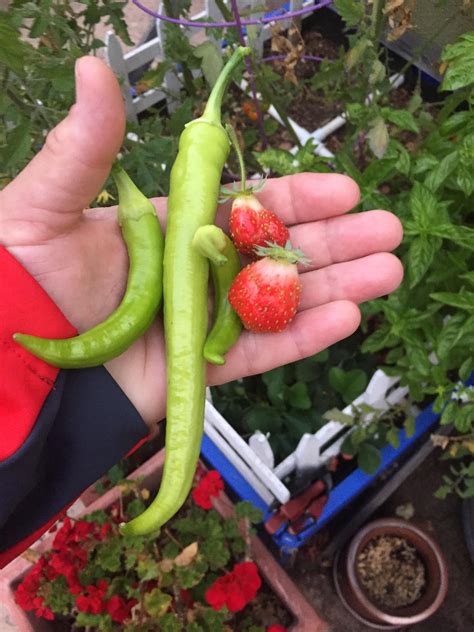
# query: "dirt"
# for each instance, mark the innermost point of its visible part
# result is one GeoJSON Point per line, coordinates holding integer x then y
{"type": "Point", "coordinates": [391, 572]}
{"type": "Point", "coordinates": [312, 572]}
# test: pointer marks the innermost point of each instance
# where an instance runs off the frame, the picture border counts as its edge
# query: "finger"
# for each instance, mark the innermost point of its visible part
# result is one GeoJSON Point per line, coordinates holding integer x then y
{"type": "Point", "coordinates": [69, 171]}
{"type": "Point", "coordinates": [311, 331]}
{"type": "Point", "coordinates": [304, 197]}
{"type": "Point", "coordinates": [347, 237]}
{"type": "Point", "coordinates": [358, 281]}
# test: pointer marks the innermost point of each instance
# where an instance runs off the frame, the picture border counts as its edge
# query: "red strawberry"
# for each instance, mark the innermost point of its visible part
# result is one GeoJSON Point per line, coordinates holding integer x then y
{"type": "Point", "coordinates": [253, 225]}
{"type": "Point", "coordinates": [266, 293]}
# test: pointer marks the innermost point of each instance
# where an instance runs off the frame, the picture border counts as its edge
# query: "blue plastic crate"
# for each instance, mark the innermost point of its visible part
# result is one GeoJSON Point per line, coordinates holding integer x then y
{"type": "Point", "coordinates": [339, 497]}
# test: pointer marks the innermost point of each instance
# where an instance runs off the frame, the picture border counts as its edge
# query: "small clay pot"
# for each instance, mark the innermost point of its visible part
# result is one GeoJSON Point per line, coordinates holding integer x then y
{"type": "Point", "coordinates": [354, 596]}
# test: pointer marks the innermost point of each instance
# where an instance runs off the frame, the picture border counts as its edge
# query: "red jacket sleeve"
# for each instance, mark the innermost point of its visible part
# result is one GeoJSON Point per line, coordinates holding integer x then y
{"type": "Point", "coordinates": [59, 430]}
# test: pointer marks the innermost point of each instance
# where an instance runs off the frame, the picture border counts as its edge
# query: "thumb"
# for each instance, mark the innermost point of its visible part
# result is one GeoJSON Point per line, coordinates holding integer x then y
{"type": "Point", "coordinates": [69, 171]}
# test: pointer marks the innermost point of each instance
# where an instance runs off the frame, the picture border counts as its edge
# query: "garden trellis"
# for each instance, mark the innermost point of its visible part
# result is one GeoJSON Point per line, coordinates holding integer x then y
{"type": "Point", "coordinates": [152, 50]}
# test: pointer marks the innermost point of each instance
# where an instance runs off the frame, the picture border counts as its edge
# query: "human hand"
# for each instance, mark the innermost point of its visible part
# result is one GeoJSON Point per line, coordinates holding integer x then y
{"type": "Point", "coordinates": [79, 257]}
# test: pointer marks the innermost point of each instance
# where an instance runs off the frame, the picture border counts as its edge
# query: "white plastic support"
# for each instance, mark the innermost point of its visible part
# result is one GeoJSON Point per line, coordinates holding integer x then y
{"type": "Point", "coordinates": [259, 443]}
{"type": "Point", "coordinates": [242, 450]}
{"type": "Point", "coordinates": [309, 453]}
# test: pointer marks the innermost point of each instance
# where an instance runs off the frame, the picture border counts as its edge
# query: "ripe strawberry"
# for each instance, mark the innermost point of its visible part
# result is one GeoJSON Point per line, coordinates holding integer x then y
{"type": "Point", "coordinates": [253, 225]}
{"type": "Point", "coordinates": [266, 293]}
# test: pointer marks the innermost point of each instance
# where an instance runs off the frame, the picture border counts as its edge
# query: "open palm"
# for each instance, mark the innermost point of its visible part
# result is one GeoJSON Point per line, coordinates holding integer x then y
{"type": "Point", "coordinates": [79, 257]}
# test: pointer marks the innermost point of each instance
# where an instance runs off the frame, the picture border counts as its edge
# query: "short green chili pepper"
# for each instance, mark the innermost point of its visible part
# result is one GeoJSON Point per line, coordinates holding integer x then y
{"type": "Point", "coordinates": [194, 191]}
{"type": "Point", "coordinates": [224, 259]}
{"type": "Point", "coordinates": [144, 240]}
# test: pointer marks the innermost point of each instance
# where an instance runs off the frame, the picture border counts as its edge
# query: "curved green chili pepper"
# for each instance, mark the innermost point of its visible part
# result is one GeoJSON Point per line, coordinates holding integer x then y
{"type": "Point", "coordinates": [144, 240]}
{"type": "Point", "coordinates": [194, 190]}
{"type": "Point", "coordinates": [214, 244]}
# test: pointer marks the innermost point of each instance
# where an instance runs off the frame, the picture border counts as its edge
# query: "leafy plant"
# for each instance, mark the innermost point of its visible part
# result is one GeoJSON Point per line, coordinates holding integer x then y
{"type": "Point", "coordinates": [289, 401]}
{"type": "Point", "coordinates": [370, 430]}
{"type": "Point", "coordinates": [197, 575]}
{"type": "Point", "coordinates": [418, 163]}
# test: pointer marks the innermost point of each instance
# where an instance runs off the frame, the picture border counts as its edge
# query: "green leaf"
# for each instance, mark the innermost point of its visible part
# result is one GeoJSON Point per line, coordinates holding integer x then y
{"type": "Point", "coordinates": [262, 418]}
{"type": "Point", "coordinates": [180, 117]}
{"type": "Point", "coordinates": [462, 299]}
{"type": "Point", "coordinates": [135, 507]}
{"type": "Point", "coordinates": [189, 576]}
{"type": "Point", "coordinates": [460, 63]}
{"type": "Point", "coordinates": [465, 180]}
{"type": "Point", "coordinates": [298, 397]}
{"type": "Point", "coordinates": [212, 62]}
{"type": "Point", "coordinates": [442, 171]}
{"type": "Point", "coordinates": [13, 50]}
{"type": "Point", "coordinates": [147, 568]}
{"type": "Point", "coordinates": [157, 603]}
{"type": "Point", "coordinates": [424, 207]}
{"type": "Point", "coordinates": [368, 458]}
{"type": "Point", "coordinates": [280, 161]}
{"type": "Point", "coordinates": [215, 552]}
{"type": "Point", "coordinates": [420, 256]}
{"type": "Point", "coordinates": [464, 419]}
{"type": "Point", "coordinates": [449, 335]}
{"type": "Point", "coordinates": [466, 368]}
{"type": "Point", "coordinates": [393, 438]}
{"type": "Point", "coordinates": [351, 11]}
{"type": "Point", "coordinates": [378, 137]}
{"type": "Point", "coordinates": [382, 337]}
{"type": "Point", "coordinates": [401, 118]}
{"type": "Point", "coordinates": [19, 144]}
{"type": "Point", "coordinates": [423, 163]}
{"type": "Point", "coordinates": [170, 623]}
{"type": "Point", "coordinates": [377, 72]}
{"type": "Point", "coordinates": [336, 415]}
{"type": "Point", "coordinates": [245, 509]}
{"type": "Point", "coordinates": [410, 426]}
{"type": "Point", "coordinates": [214, 620]}
{"type": "Point", "coordinates": [442, 492]}
{"type": "Point", "coordinates": [108, 558]}
{"type": "Point", "coordinates": [116, 474]}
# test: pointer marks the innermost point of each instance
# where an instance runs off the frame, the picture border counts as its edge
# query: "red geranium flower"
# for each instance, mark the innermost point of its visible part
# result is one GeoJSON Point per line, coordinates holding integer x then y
{"type": "Point", "coordinates": [235, 589]}
{"type": "Point", "coordinates": [276, 628]}
{"type": "Point", "coordinates": [120, 608]}
{"type": "Point", "coordinates": [208, 487]}
{"type": "Point", "coordinates": [92, 600]}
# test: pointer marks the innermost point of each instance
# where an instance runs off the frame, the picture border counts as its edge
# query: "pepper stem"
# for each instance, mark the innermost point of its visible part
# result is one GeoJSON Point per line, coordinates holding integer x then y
{"type": "Point", "coordinates": [212, 111]}
{"type": "Point", "coordinates": [133, 204]}
{"type": "Point", "coordinates": [235, 144]}
{"type": "Point", "coordinates": [210, 241]}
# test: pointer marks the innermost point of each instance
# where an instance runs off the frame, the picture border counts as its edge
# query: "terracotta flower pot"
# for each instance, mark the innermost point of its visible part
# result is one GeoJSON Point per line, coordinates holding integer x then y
{"type": "Point", "coordinates": [356, 598]}
{"type": "Point", "coordinates": [305, 618]}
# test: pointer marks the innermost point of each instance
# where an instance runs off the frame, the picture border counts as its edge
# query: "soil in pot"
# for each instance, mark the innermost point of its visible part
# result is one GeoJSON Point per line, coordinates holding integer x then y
{"type": "Point", "coordinates": [391, 572]}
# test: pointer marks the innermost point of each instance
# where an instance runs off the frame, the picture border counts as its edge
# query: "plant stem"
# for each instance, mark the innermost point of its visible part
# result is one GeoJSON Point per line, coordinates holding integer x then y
{"type": "Point", "coordinates": [187, 74]}
{"type": "Point", "coordinates": [235, 144]}
{"type": "Point", "coordinates": [376, 19]}
{"type": "Point", "coordinates": [226, 14]}
{"type": "Point", "coordinates": [248, 65]}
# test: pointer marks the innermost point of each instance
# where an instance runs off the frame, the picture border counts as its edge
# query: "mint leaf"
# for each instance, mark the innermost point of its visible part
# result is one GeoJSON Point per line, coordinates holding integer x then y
{"type": "Point", "coordinates": [462, 299]}
{"type": "Point", "coordinates": [420, 256]}
{"type": "Point", "coordinates": [442, 171]}
{"type": "Point", "coordinates": [368, 458]}
{"type": "Point", "coordinates": [459, 58]}
{"type": "Point", "coordinates": [401, 118]}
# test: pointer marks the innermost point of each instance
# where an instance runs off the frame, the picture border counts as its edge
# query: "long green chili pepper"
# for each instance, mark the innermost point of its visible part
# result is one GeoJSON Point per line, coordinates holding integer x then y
{"type": "Point", "coordinates": [194, 191]}
{"type": "Point", "coordinates": [224, 259]}
{"type": "Point", "coordinates": [144, 240]}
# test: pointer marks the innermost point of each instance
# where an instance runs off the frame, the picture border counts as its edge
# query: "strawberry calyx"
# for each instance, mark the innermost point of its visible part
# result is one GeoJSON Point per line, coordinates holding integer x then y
{"type": "Point", "coordinates": [237, 191]}
{"type": "Point", "coordinates": [286, 254]}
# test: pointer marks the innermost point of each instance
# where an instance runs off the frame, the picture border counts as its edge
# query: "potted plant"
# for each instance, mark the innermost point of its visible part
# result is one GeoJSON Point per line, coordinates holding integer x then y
{"type": "Point", "coordinates": [205, 570]}
{"type": "Point", "coordinates": [392, 574]}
